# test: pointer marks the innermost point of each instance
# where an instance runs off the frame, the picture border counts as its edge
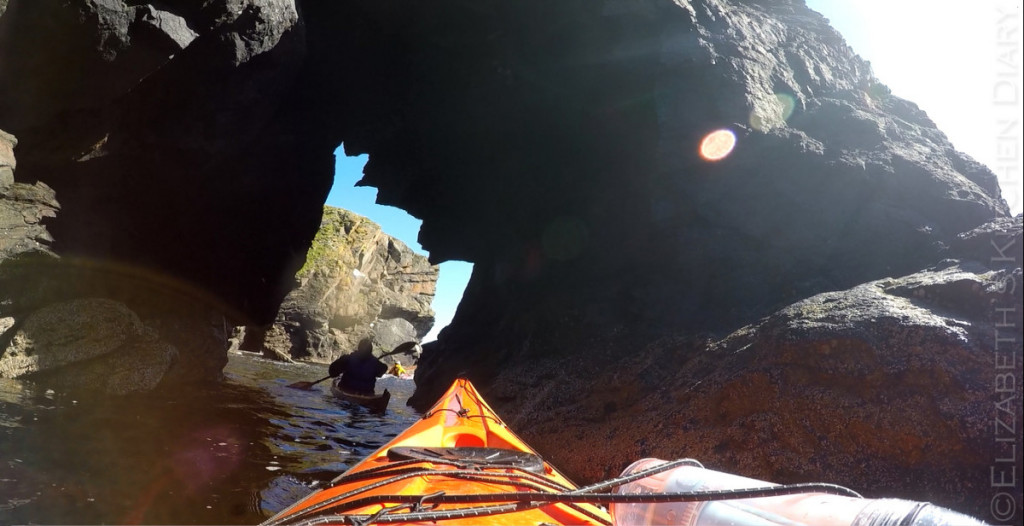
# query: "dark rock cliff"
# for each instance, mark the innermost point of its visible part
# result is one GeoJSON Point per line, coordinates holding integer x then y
{"type": "Point", "coordinates": [906, 386]}
{"type": "Point", "coordinates": [773, 295]}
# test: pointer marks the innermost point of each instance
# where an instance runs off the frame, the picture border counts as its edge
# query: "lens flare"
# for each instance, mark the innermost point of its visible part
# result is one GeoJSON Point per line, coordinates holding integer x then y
{"type": "Point", "coordinates": [788, 103]}
{"type": "Point", "coordinates": [717, 145]}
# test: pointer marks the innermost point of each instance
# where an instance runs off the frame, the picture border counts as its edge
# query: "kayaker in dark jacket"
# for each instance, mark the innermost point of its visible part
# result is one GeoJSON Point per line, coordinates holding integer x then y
{"type": "Point", "coordinates": [359, 371]}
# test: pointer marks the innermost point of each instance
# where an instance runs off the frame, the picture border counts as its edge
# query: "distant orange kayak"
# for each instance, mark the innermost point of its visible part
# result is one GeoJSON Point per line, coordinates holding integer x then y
{"type": "Point", "coordinates": [461, 450]}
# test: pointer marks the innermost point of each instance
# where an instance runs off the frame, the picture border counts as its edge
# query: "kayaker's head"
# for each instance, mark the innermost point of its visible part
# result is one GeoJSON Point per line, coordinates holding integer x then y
{"type": "Point", "coordinates": [365, 346]}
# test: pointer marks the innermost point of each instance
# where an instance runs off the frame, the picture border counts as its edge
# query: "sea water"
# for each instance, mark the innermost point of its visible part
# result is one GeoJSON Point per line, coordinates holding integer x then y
{"type": "Point", "coordinates": [231, 453]}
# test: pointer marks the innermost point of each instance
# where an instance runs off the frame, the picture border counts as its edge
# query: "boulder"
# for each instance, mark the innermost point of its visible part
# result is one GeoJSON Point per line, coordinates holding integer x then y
{"type": "Point", "coordinates": [138, 367]}
{"type": "Point", "coordinates": [94, 344]}
{"type": "Point", "coordinates": [37, 284]}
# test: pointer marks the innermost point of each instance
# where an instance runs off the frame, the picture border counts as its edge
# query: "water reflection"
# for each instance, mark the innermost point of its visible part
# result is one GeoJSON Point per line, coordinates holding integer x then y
{"type": "Point", "coordinates": [232, 453]}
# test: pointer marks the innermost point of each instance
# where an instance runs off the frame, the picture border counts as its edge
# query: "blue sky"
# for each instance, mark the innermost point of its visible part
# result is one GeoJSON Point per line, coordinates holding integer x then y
{"type": "Point", "coordinates": [454, 275]}
{"type": "Point", "coordinates": [960, 65]}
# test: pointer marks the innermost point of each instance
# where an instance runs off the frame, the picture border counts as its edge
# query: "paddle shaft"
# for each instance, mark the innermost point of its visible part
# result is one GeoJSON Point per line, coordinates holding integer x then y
{"type": "Point", "coordinates": [401, 349]}
{"type": "Point", "coordinates": [320, 380]}
{"type": "Point", "coordinates": [398, 351]}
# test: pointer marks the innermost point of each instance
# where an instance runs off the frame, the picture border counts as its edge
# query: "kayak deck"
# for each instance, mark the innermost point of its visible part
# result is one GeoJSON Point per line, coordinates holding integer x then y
{"type": "Point", "coordinates": [459, 464]}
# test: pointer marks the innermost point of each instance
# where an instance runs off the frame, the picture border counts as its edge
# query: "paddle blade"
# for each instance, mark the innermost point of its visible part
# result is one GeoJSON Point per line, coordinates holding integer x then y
{"type": "Point", "coordinates": [307, 385]}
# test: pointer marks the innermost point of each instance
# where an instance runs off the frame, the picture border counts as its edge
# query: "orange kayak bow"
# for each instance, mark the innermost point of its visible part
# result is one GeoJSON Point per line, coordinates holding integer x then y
{"type": "Point", "coordinates": [460, 464]}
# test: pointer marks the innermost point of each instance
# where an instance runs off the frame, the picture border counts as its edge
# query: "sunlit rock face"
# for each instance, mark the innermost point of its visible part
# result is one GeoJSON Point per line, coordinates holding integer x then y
{"type": "Point", "coordinates": [87, 344]}
{"type": "Point", "coordinates": [357, 282]}
{"type": "Point", "coordinates": [558, 146]}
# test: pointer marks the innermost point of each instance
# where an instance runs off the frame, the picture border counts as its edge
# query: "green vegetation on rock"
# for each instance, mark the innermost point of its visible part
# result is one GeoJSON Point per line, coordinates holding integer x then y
{"type": "Point", "coordinates": [356, 281]}
{"type": "Point", "coordinates": [340, 230]}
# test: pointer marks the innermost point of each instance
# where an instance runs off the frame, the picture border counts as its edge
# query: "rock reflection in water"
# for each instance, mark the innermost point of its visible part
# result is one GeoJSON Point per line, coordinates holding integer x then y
{"type": "Point", "coordinates": [231, 453]}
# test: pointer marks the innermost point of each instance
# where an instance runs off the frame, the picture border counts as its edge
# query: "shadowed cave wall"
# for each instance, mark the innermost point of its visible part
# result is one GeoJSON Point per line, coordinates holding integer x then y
{"type": "Point", "coordinates": [554, 145]}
